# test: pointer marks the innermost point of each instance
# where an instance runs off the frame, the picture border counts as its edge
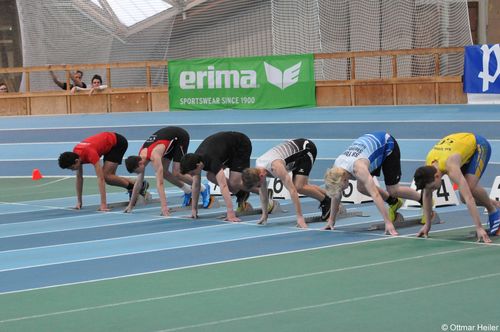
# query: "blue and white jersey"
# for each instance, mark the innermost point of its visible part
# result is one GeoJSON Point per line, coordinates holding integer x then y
{"type": "Point", "coordinates": [374, 146]}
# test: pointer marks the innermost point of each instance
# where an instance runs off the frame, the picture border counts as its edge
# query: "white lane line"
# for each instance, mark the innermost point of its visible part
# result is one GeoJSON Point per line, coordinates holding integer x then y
{"type": "Point", "coordinates": [191, 124]}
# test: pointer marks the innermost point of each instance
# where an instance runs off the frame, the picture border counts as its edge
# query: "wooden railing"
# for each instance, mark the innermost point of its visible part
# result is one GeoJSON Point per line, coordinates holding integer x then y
{"type": "Point", "coordinates": [112, 99]}
{"type": "Point", "coordinates": [393, 90]}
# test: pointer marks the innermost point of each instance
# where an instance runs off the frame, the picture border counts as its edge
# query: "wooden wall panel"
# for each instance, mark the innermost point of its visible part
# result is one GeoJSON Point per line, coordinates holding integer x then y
{"type": "Point", "coordinates": [48, 105]}
{"type": "Point", "coordinates": [13, 106]}
{"type": "Point", "coordinates": [129, 102]}
{"type": "Point", "coordinates": [380, 93]}
{"type": "Point", "coordinates": [160, 101]}
{"type": "Point", "coordinates": [416, 93]}
{"type": "Point", "coordinates": [452, 93]}
{"type": "Point", "coordinates": [89, 104]}
{"type": "Point", "coordinates": [333, 96]}
{"type": "Point", "coordinates": [376, 94]}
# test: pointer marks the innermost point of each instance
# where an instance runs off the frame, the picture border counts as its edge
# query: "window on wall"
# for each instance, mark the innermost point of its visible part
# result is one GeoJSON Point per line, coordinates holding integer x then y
{"type": "Point", "coordinates": [130, 12]}
{"type": "Point", "coordinates": [473, 19]}
{"type": "Point", "coordinates": [10, 43]}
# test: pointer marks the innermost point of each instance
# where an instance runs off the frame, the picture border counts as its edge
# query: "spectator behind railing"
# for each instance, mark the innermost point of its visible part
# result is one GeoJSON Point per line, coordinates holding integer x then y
{"type": "Point", "coordinates": [76, 77]}
{"type": "Point", "coordinates": [3, 87]}
{"type": "Point", "coordinates": [96, 85]}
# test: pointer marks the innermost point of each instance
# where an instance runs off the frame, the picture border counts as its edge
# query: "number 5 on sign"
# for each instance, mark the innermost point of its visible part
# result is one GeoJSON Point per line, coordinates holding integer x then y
{"type": "Point", "coordinates": [444, 196]}
{"type": "Point", "coordinates": [352, 195]}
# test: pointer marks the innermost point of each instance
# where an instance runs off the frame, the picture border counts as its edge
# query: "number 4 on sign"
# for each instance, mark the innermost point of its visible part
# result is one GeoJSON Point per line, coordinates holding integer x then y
{"type": "Point", "coordinates": [444, 196]}
{"type": "Point", "coordinates": [495, 189]}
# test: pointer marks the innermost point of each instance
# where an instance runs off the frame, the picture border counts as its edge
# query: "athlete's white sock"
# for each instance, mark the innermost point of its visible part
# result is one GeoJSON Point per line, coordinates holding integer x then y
{"type": "Point", "coordinates": [186, 189]}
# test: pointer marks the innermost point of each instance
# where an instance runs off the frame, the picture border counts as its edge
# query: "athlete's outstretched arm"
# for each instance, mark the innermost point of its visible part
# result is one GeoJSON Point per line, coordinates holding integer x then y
{"type": "Point", "coordinates": [455, 174]}
{"type": "Point", "coordinates": [79, 187]}
{"type": "Point", "coordinates": [101, 183]}
{"type": "Point", "coordinates": [264, 200]}
{"type": "Point", "coordinates": [158, 167]}
{"type": "Point", "coordinates": [279, 170]}
{"type": "Point", "coordinates": [363, 175]}
{"type": "Point", "coordinates": [226, 194]}
{"type": "Point", "coordinates": [334, 209]}
{"type": "Point", "coordinates": [427, 209]}
{"type": "Point", "coordinates": [135, 192]}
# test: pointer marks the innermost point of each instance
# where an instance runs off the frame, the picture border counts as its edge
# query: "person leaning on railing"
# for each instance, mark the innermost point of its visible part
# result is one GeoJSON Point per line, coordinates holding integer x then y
{"type": "Point", "coordinates": [76, 77]}
{"type": "Point", "coordinates": [96, 86]}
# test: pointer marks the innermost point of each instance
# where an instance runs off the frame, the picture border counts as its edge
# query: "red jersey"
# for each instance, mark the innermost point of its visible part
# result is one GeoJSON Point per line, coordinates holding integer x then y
{"type": "Point", "coordinates": [92, 148]}
{"type": "Point", "coordinates": [175, 140]}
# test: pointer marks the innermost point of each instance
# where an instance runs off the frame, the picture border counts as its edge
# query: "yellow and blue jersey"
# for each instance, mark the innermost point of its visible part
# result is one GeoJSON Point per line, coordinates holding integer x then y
{"type": "Point", "coordinates": [475, 152]}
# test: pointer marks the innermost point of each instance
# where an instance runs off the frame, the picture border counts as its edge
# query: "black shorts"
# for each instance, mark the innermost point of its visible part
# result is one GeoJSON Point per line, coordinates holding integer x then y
{"type": "Point", "coordinates": [115, 155]}
{"type": "Point", "coordinates": [181, 144]}
{"type": "Point", "coordinates": [241, 156]}
{"type": "Point", "coordinates": [303, 165]}
{"type": "Point", "coordinates": [391, 166]}
{"type": "Point", "coordinates": [176, 154]}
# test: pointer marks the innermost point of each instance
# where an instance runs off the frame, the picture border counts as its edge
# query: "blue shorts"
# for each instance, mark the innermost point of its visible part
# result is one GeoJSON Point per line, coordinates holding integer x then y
{"type": "Point", "coordinates": [479, 160]}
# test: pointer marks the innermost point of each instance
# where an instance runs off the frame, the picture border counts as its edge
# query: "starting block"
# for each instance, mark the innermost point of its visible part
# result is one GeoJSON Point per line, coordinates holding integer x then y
{"type": "Point", "coordinates": [214, 204]}
{"type": "Point", "coordinates": [141, 200]}
{"type": "Point", "coordinates": [146, 199]}
{"type": "Point", "coordinates": [400, 221]}
{"type": "Point", "coordinates": [250, 211]}
{"type": "Point", "coordinates": [342, 214]}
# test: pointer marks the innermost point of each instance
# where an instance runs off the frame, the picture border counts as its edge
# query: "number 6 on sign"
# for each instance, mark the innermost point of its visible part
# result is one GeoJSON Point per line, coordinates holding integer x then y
{"type": "Point", "coordinates": [278, 188]}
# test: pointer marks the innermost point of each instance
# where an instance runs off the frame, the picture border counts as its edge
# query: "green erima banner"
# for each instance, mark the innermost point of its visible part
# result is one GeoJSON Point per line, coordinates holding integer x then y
{"type": "Point", "coordinates": [246, 83]}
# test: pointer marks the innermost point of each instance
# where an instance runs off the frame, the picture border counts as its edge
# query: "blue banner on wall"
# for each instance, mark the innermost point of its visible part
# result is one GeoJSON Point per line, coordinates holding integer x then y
{"type": "Point", "coordinates": [482, 69]}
